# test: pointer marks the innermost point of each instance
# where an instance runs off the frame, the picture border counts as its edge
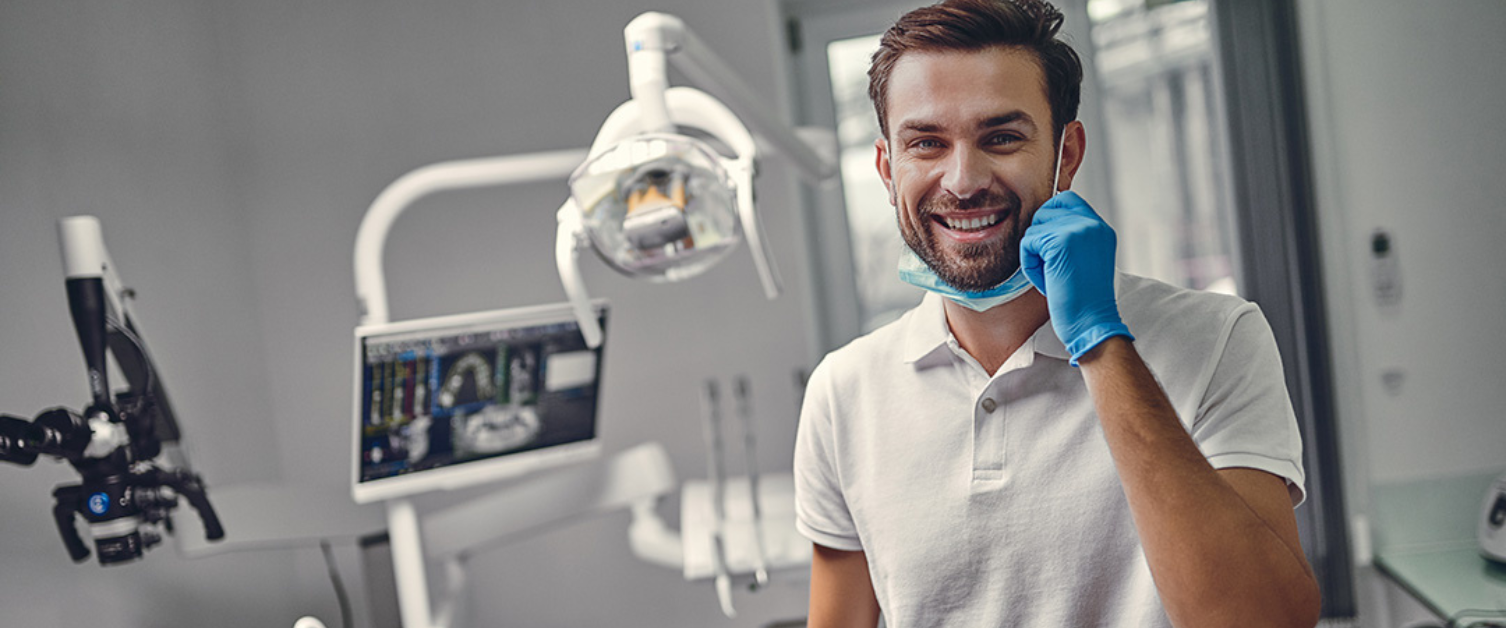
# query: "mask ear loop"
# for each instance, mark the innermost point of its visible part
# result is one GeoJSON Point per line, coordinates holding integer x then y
{"type": "Point", "coordinates": [1057, 175]}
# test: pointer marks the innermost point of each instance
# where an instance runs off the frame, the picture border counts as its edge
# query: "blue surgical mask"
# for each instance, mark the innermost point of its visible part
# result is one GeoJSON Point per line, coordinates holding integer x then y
{"type": "Point", "coordinates": [917, 273]}
{"type": "Point", "coordinates": [914, 271]}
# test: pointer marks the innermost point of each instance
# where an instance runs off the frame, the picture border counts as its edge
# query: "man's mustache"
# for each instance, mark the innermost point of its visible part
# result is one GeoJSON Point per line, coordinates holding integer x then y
{"type": "Point", "coordinates": [947, 203]}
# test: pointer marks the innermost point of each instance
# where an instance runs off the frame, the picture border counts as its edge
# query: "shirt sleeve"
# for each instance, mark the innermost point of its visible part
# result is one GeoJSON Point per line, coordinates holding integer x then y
{"type": "Point", "coordinates": [821, 512]}
{"type": "Point", "coordinates": [1245, 418]}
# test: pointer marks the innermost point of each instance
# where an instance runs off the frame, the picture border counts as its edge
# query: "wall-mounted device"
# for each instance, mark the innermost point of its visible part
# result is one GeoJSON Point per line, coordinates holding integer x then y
{"type": "Point", "coordinates": [1385, 269]}
{"type": "Point", "coordinates": [124, 446]}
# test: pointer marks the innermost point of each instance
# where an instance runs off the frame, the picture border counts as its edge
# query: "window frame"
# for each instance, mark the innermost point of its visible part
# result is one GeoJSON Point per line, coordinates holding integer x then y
{"type": "Point", "coordinates": [1280, 262]}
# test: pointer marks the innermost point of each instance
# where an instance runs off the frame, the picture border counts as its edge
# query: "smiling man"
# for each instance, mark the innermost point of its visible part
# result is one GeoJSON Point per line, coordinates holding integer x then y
{"type": "Point", "coordinates": [1043, 441]}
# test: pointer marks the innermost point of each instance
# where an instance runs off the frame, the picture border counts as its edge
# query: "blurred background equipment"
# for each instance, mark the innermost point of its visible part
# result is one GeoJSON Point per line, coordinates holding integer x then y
{"type": "Point", "coordinates": [124, 443]}
{"type": "Point", "coordinates": [655, 198]}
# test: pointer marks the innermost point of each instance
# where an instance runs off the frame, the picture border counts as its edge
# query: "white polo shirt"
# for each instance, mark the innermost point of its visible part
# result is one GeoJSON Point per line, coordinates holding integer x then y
{"type": "Point", "coordinates": [992, 500]}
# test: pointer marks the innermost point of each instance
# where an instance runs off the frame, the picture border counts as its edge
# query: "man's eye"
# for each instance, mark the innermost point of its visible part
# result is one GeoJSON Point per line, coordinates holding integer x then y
{"type": "Point", "coordinates": [926, 144]}
{"type": "Point", "coordinates": [1003, 140]}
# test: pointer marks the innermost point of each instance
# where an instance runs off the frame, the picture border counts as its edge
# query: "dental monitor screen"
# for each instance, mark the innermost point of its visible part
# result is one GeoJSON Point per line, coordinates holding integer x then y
{"type": "Point", "coordinates": [448, 402]}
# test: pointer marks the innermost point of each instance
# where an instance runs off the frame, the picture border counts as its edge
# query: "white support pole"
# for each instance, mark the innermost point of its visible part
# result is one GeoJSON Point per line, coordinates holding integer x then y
{"type": "Point", "coordinates": [408, 567]}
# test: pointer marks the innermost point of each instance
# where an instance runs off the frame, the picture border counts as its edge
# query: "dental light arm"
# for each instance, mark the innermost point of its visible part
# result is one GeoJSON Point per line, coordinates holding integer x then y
{"type": "Point", "coordinates": [129, 486]}
{"type": "Point", "coordinates": [654, 39]}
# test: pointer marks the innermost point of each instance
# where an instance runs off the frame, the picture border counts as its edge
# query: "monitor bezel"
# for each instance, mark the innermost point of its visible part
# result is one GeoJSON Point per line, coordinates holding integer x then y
{"type": "Point", "coordinates": [473, 472]}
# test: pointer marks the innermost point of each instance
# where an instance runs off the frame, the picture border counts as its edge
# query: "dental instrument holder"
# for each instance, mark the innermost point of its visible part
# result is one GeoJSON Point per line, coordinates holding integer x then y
{"type": "Point", "coordinates": [652, 40]}
{"type": "Point", "coordinates": [716, 474]}
{"type": "Point", "coordinates": [744, 395]}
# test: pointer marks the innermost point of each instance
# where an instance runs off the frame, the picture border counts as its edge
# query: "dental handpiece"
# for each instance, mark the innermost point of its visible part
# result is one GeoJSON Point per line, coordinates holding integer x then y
{"type": "Point", "coordinates": [745, 417]}
{"type": "Point", "coordinates": [711, 407]}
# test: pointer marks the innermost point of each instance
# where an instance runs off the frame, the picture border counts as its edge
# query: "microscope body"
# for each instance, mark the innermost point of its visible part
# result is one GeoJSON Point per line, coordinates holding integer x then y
{"type": "Point", "coordinates": [128, 489]}
{"type": "Point", "coordinates": [125, 497]}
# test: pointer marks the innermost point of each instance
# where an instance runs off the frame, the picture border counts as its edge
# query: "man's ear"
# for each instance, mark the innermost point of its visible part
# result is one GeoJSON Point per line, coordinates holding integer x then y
{"type": "Point", "coordinates": [1074, 148]}
{"type": "Point", "coordinates": [881, 151]}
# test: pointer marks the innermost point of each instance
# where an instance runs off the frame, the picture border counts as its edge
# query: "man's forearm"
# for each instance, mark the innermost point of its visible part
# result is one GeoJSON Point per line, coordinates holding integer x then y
{"type": "Point", "coordinates": [1217, 559]}
{"type": "Point", "coordinates": [841, 591]}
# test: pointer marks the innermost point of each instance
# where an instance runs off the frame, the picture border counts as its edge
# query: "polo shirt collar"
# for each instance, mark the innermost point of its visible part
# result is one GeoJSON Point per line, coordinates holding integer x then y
{"type": "Point", "coordinates": [927, 333]}
{"type": "Point", "coordinates": [1046, 342]}
{"type": "Point", "coordinates": [926, 330]}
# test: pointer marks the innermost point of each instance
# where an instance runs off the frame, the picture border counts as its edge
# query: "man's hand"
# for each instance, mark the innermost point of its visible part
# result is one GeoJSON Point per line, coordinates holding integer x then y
{"type": "Point", "coordinates": [1068, 253]}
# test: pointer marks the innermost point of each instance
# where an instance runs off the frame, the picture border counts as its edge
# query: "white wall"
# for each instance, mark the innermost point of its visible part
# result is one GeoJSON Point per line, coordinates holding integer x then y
{"type": "Point", "coordinates": [1404, 112]}
{"type": "Point", "coordinates": [230, 150]}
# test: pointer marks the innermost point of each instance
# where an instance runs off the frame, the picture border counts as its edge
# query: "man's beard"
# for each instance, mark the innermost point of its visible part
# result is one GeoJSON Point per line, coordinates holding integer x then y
{"type": "Point", "coordinates": [971, 267]}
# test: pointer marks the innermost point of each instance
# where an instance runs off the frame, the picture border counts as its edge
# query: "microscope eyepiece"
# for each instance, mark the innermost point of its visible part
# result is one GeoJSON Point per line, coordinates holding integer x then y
{"type": "Point", "coordinates": [14, 447]}
{"type": "Point", "coordinates": [59, 432]}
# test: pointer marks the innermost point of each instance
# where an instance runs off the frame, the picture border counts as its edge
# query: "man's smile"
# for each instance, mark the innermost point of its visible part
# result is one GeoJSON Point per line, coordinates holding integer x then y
{"type": "Point", "coordinates": [973, 225]}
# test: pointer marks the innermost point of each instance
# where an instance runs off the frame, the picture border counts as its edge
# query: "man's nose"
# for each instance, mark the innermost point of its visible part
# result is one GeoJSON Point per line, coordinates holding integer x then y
{"type": "Point", "coordinates": [966, 173]}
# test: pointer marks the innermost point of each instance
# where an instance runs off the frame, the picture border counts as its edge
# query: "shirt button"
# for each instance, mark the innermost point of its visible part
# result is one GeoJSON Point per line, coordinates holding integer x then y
{"type": "Point", "coordinates": [989, 404]}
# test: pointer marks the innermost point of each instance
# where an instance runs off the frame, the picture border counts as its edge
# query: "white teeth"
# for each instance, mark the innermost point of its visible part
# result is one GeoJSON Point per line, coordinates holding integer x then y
{"type": "Point", "coordinates": [973, 223]}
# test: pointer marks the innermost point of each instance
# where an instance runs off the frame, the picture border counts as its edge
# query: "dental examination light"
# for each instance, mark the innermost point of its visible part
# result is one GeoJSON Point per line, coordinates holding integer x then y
{"type": "Point", "coordinates": [124, 444]}
{"type": "Point", "coordinates": [658, 203]}
{"type": "Point", "coordinates": [656, 199]}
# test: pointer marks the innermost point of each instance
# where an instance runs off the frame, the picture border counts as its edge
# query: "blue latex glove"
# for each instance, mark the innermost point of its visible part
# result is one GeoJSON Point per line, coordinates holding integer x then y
{"type": "Point", "coordinates": [1068, 253]}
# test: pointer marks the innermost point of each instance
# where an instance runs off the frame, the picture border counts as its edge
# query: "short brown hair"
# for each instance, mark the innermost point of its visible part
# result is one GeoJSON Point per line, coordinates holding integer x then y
{"type": "Point", "coordinates": [968, 25]}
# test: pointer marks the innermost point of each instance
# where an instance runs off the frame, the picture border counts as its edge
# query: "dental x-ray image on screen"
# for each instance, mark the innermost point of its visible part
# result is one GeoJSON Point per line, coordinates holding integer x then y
{"type": "Point", "coordinates": [453, 401]}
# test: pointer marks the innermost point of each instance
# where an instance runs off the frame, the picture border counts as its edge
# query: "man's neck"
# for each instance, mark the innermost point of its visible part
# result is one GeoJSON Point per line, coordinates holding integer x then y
{"type": "Point", "coordinates": [993, 335]}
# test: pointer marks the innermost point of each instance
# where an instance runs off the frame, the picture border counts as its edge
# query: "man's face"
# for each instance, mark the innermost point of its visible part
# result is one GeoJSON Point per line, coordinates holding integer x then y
{"type": "Point", "coordinates": [969, 158]}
